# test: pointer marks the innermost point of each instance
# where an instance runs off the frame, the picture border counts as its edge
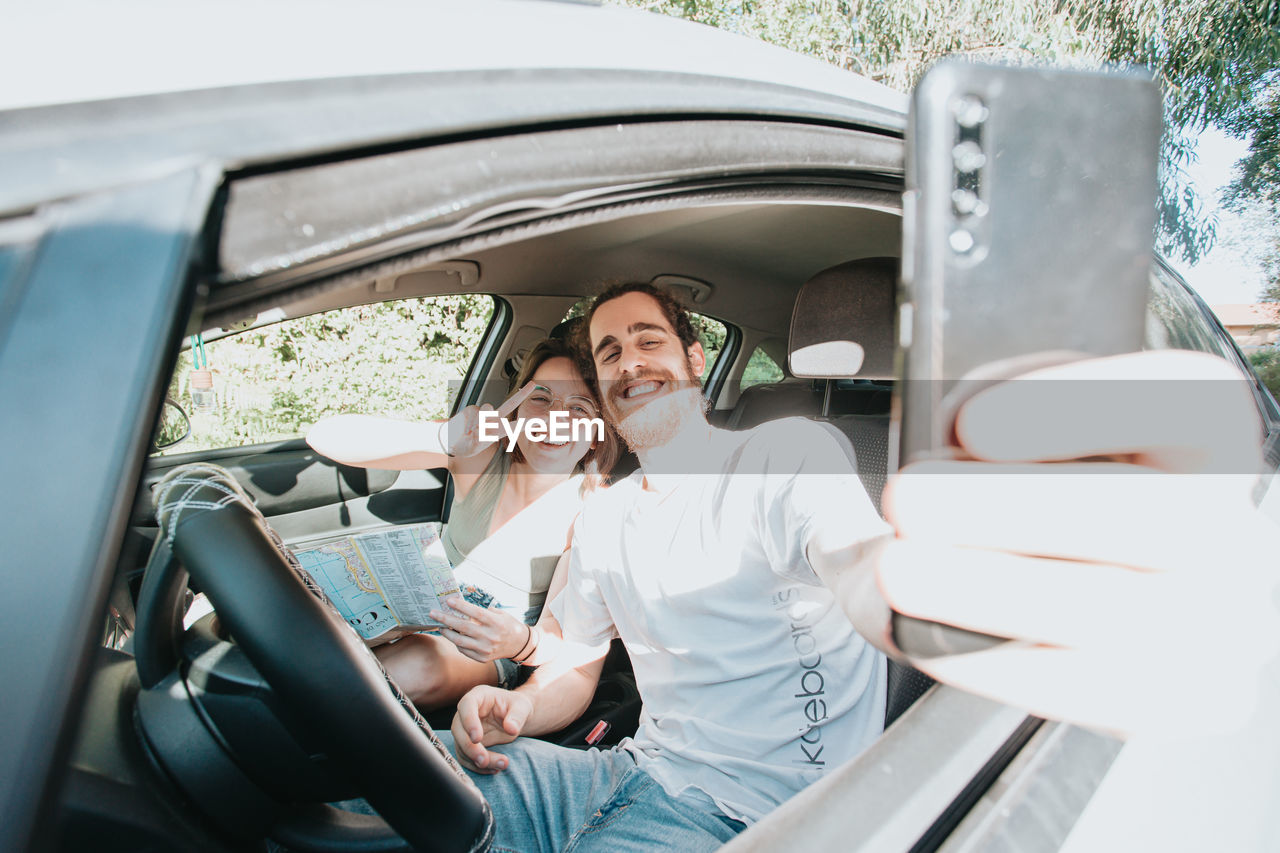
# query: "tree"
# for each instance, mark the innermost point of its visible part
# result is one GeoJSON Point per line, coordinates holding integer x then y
{"type": "Point", "coordinates": [1258, 241]}
{"type": "Point", "coordinates": [1266, 363]}
{"type": "Point", "coordinates": [1214, 59]}
{"type": "Point", "coordinates": [1217, 63]}
{"type": "Point", "coordinates": [1255, 191]}
{"type": "Point", "coordinates": [1258, 172]}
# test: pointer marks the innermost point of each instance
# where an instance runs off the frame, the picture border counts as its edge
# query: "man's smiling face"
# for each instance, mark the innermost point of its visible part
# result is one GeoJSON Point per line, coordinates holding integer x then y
{"type": "Point", "coordinates": [648, 383]}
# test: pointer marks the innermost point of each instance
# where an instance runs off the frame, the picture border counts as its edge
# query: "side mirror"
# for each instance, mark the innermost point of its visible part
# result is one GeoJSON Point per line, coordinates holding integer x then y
{"type": "Point", "coordinates": [174, 426]}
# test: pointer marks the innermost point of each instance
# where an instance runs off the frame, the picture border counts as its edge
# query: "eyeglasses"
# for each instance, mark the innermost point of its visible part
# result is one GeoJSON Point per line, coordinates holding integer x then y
{"type": "Point", "coordinates": [542, 402]}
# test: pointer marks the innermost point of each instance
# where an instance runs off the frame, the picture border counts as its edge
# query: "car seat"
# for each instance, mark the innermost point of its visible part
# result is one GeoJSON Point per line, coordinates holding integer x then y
{"type": "Point", "coordinates": [842, 331]}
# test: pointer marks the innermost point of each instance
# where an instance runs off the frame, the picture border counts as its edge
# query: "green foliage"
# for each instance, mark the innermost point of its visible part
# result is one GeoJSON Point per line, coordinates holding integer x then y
{"type": "Point", "coordinates": [820, 29]}
{"type": "Point", "coordinates": [578, 309]}
{"type": "Point", "coordinates": [1255, 190]}
{"type": "Point", "coordinates": [898, 41]}
{"type": "Point", "coordinates": [1258, 172]}
{"type": "Point", "coordinates": [400, 359]}
{"type": "Point", "coordinates": [1215, 59]}
{"type": "Point", "coordinates": [759, 370]}
{"type": "Point", "coordinates": [1266, 363]}
{"type": "Point", "coordinates": [1264, 357]}
{"type": "Point", "coordinates": [1210, 55]}
{"type": "Point", "coordinates": [173, 427]}
{"type": "Point", "coordinates": [1270, 261]}
{"type": "Point", "coordinates": [712, 334]}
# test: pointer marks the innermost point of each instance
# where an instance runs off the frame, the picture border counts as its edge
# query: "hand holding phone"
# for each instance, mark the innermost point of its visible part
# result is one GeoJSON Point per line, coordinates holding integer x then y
{"type": "Point", "coordinates": [1028, 226]}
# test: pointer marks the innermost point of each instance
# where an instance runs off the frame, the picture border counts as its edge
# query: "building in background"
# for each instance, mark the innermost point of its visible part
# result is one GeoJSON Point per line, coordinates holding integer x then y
{"type": "Point", "coordinates": [1253, 326]}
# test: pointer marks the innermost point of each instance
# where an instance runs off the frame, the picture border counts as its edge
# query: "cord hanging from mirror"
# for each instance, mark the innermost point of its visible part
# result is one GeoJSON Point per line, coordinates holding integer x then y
{"type": "Point", "coordinates": [203, 398]}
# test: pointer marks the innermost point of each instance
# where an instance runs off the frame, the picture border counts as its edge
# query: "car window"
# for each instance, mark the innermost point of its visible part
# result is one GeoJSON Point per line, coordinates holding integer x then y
{"type": "Point", "coordinates": [761, 368]}
{"type": "Point", "coordinates": [1174, 320]}
{"type": "Point", "coordinates": [399, 359]}
{"type": "Point", "coordinates": [712, 333]}
{"type": "Point", "coordinates": [1177, 320]}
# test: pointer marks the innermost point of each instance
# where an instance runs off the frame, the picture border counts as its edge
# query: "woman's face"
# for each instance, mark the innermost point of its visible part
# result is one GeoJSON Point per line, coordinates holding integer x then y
{"type": "Point", "coordinates": [563, 401]}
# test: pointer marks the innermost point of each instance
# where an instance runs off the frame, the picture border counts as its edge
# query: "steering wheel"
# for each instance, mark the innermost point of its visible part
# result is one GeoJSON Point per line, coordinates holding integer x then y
{"type": "Point", "coordinates": [325, 687]}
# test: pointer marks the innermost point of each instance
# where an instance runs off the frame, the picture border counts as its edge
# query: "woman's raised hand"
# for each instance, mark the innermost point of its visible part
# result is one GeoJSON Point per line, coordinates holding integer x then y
{"type": "Point", "coordinates": [461, 435]}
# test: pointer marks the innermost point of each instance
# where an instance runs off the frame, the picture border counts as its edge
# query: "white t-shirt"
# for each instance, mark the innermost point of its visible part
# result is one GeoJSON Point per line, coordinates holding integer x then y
{"type": "Point", "coordinates": [754, 682]}
{"type": "Point", "coordinates": [512, 568]}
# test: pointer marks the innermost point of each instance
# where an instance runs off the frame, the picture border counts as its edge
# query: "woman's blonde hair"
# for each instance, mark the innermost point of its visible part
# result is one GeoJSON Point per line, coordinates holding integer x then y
{"type": "Point", "coordinates": [599, 461]}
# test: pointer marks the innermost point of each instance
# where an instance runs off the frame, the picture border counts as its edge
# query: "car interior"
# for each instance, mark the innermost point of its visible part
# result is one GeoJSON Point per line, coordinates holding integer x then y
{"type": "Point", "coordinates": [796, 263]}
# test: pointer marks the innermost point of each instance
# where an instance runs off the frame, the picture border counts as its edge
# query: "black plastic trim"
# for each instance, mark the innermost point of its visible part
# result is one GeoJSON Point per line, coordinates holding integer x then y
{"type": "Point", "coordinates": [965, 801]}
{"type": "Point", "coordinates": [724, 363]}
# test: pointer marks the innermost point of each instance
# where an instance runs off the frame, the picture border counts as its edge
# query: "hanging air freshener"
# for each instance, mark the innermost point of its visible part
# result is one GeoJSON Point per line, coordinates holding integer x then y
{"type": "Point", "coordinates": [202, 394]}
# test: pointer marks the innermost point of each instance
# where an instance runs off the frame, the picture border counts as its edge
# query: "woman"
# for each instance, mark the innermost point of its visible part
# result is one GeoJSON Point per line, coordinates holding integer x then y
{"type": "Point", "coordinates": [513, 510]}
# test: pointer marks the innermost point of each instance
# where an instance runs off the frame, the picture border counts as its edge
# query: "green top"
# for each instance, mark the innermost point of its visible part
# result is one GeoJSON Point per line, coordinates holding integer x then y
{"type": "Point", "coordinates": [515, 564]}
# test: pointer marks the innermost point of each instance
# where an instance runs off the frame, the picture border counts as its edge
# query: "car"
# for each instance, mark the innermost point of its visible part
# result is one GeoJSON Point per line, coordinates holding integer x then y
{"type": "Point", "coordinates": [201, 182]}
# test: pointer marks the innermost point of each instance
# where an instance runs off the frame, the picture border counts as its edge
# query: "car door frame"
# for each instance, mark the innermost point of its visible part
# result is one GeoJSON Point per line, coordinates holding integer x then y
{"type": "Point", "coordinates": [100, 279]}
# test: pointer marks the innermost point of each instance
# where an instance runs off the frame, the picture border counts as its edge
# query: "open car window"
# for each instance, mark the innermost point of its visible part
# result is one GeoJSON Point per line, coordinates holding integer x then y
{"type": "Point", "coordinates": [401, 359]}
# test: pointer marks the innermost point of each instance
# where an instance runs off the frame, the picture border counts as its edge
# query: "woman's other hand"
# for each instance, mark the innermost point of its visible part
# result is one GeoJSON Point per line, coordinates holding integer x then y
{"type": "Point", "coordinates": [481, 634]}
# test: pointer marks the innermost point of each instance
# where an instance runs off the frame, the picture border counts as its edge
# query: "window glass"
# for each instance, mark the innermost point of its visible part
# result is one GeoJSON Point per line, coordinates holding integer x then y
{"type": "Point", "coordinates": [711, 332]}
{"type": "Point", "coordinates": [760, 369]}
{"type": "Point", "coordinates": [1174, 320]}
{"type": "Point", "coordinates": [399, 359]}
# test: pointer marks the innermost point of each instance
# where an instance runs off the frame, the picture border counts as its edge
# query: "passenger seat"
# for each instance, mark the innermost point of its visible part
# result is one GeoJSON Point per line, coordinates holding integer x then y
{"type": "Point", "coordinates": [842, 327]}
{"type": "Point", "coordinates": [769, 401]}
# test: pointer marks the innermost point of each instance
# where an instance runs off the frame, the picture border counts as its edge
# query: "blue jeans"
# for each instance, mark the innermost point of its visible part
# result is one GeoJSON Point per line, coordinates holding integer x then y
{"type": "Point", "coordinates": [552, 798]}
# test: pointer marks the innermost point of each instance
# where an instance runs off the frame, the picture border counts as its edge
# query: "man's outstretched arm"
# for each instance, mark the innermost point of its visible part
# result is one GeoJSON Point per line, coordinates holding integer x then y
{"type": "Point", "coordinates": [1115, 577]}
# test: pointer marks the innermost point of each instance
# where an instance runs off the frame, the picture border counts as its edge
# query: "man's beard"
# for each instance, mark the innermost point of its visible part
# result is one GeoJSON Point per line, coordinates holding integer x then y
{"type": "Point", "coordinates": [658, 421]}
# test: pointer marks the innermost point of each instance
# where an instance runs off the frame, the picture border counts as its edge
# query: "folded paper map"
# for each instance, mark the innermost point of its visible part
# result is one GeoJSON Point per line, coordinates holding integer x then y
{"type": "Point", "coordinates": [383, 583]}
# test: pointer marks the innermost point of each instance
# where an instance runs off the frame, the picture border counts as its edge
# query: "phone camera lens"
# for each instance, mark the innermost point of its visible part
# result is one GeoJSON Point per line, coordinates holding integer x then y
{"type": "Point", "coordinates": [970, 111]}
{"type": "Point", "coordinates": [968, 157]}
{"type": "Point", "coordinates": [966, 203]}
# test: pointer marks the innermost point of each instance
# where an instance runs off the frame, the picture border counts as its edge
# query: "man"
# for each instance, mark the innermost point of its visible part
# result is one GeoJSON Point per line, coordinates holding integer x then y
{"type": "Point", "coordinates": [754, 682]}
{"type": "Point", "coordinates": [1119, 581]}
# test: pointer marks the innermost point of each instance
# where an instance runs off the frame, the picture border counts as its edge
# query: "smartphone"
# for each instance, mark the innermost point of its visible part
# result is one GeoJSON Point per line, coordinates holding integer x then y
{"type": "Point", "coordinates": [1028, 229]}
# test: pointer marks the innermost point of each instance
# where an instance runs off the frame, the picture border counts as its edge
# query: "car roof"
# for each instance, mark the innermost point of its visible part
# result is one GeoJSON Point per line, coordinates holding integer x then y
{"type": "Point", "coordinates": [124, 88]}
{"type": "Point", "coordinates": [139, 47]}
